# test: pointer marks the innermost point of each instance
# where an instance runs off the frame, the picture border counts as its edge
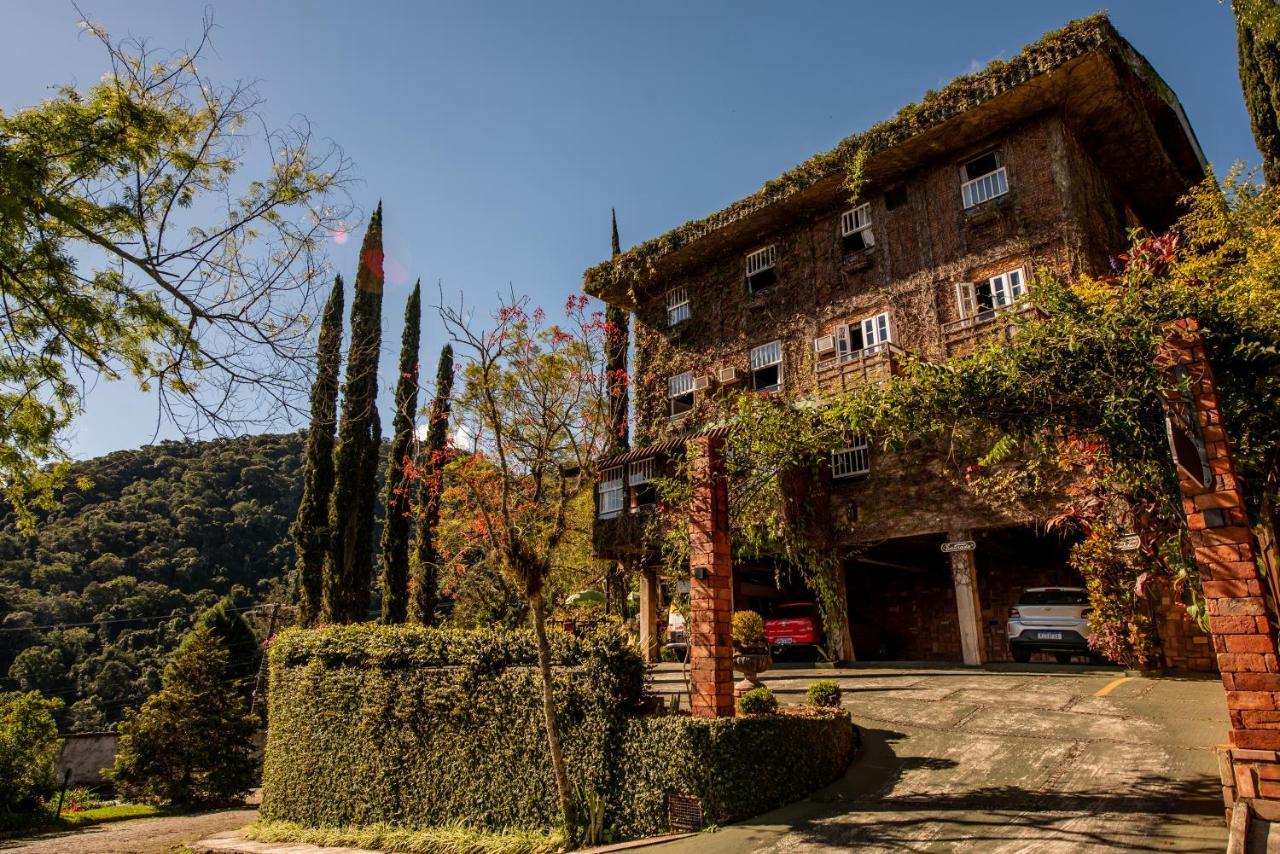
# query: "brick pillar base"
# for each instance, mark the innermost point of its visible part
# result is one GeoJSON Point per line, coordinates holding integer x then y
{"type": "Point", "coordinates": [1226, 553]}
{"type": "Point", "coordinates": [711, 582]}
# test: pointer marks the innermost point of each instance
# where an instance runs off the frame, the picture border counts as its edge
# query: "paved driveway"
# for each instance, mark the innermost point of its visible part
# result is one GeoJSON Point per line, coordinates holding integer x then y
{"type": "Point", "coordinates": [1014, 758]}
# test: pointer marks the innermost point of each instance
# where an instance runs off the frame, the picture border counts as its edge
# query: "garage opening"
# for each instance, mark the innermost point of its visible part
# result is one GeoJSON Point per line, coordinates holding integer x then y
{"type": "Point", "coordinates": [902, 600]}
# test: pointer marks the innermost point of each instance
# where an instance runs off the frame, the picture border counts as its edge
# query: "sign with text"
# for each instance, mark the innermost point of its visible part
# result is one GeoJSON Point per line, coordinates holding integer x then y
{"type": "Point", "coordinates": [960, 546]}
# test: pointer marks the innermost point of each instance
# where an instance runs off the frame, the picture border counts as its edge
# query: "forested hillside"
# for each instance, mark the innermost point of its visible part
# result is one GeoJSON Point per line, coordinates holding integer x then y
{"type": "Point", "coordinates": [92, 603]}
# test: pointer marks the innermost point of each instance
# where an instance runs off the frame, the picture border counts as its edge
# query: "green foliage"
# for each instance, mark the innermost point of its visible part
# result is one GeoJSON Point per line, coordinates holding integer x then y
{"type": "Point", "coordinates": [311, 527]}
{"type": "Point", "coordinates": [232, 630]}
{"type": "Point", "coordinates": [132, 246]}
{"type": "Point", "coordinates": [162, 534]}
{"type": "Point", "coordinates": [1051, 51]}
{"type": "Point", "coordinates": [1258, 45]}
{"type": "Point", "coordinates": [748, 628]}
{"type": "Point", "coordinates": [824, 692]}
{"type": "Point", "coordinates": [758, 701]}
{"type": "Point", "coordinates": [739, 767]}
{"type": "Point", "coordinates": [28, 755]}
{"type": "Point", "coordinates": [454, 838]}
{"type": "Point", "coordinates": [398, 523]}
{"type": "Point", "coordinates": [425, 558]}
{"type": "Point", "coordinates": [416, 728]}
{"type": "Point", "coordinates": [348, 567]}
{"type": "Point", "coordinates": [616, 345]}
{"type": "Point", "coordinates": [192, 741]}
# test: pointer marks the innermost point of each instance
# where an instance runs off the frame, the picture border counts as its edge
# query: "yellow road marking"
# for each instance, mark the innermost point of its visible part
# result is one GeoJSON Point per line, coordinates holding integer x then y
{"type": "Point", "coordinates": [1111, 686]}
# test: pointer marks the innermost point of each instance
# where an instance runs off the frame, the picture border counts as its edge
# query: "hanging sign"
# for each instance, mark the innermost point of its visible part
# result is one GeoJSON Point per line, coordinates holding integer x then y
{"type": "Point", "coordinates": [960, 546]}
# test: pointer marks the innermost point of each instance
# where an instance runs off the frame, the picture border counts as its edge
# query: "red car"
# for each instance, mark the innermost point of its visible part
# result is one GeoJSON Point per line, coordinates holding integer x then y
{"type": "Point", "coordinates": [794, 624]}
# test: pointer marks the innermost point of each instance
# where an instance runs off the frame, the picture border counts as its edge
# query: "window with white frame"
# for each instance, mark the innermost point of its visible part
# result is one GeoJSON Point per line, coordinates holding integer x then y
{"type": "Point", "coordinates": [853, 338]}
{"type": "Point", "coordinates": [852, 461]}
{"type": "Point", "coordinates": [677, 306]}
{"type": "Point", "coordinates": [855, 229]}
{"type": "Point", "coordinates": [680, 394]}
{"type": "Point", "coordinates": [766, 366]}
{"type": "Point", "coordinates": [611, 492]}
{"type": "Point", "coordinates": [983, 179]}
{"type": "Point", "coordinates": [760, 269]}
{"type": "Point", "coordinates": [640, 479]}
{"type": "Point", "coordinates": [982, 300]}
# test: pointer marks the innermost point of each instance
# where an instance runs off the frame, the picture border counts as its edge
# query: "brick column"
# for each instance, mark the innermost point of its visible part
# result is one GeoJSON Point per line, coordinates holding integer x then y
{"type": "Point", "coordinates": [711, 582]}
{"type": "Point", "coordinates": [649, 613]}
{"type": "Point", "coordinates": [1226, 553]}
{"type": "Point", "coordinates": [964, 574]}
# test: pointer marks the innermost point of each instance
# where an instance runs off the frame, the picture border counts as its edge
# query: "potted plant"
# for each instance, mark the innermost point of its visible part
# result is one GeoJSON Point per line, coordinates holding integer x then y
{"type": "Point", "coordinates": [750, 652]}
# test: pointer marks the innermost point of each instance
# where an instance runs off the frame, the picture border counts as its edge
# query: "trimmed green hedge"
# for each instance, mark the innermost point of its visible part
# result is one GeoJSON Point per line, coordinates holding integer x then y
{"type": "Point", "coordinates": [418, 727]}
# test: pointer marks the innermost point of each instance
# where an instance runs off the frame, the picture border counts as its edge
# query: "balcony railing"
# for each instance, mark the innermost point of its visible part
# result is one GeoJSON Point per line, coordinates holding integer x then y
{"type": "Point", "coordinates": [1005, 319]}
{"type": "Point", "coordinates": [872, 365]}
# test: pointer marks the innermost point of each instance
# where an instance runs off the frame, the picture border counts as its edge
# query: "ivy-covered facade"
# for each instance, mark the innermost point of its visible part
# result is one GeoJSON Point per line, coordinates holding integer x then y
{"type": "Point", "coordinates": [824, 280]}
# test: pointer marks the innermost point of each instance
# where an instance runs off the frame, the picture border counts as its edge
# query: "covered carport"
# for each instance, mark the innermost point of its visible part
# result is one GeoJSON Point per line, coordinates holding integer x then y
{"type": "Point", "coordinates": [908, 597]}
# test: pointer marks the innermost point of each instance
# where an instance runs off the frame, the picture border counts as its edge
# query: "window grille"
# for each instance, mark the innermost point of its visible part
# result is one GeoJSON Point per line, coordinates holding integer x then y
{"type": "Point", "coordinates": [640, 472]}
{"type": "Point", "coordinates": [766, 366]}
{"type": "Point", "coordinates": [678, 309]}
{"type": "Point", "coordinates": [984, 179]}
{"type": "Point", "coordinates": [852, 461]}
{"type": "Point", "coordinates": [611, 492]}
{"type": "Point", "coordinates": [640, 478]}
{"type": "Point", "coordinates": [680, 384]}
{"type": "Point", "coordinates": [761, 260]}
{"type": "Point", "coordinates": [680, 393]}
{"type": "Point", "coordinates": [855, 228]}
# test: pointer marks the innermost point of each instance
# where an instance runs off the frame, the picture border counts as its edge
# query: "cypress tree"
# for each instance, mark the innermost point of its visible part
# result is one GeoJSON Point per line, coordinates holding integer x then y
{"type": "Point", "coordinates": [424, 585]}
{"type": "Point", "coordinates": [311, 526]}
{"type": "Point", "coordinates": [396, 524]}
{"type": "Point", "coordinates": [349, 562]}
{"type": "Point", "coordinates": [1258, 48]}
{"type": "Point", "coordinates": [616, 362]}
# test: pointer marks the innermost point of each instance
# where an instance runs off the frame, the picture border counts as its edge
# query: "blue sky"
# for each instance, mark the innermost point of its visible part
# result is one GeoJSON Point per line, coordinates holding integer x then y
{"type": "Point", "coordinates": [498, 135]}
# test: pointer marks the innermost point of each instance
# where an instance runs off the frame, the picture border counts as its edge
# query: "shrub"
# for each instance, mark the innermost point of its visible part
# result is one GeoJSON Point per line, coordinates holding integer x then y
{"type": "Point", "coordinates": [758, 701]}
{"type": "Point", "coordinates": [28, 754]}
{"type": "Point", "coordinates": [191, 743]}
{"type": "Point", "coordinates": [418, 728]}
{"type": "Point", "coordinates": [824, 692]}
{"type": "Point", "coordinates": [748, 628]}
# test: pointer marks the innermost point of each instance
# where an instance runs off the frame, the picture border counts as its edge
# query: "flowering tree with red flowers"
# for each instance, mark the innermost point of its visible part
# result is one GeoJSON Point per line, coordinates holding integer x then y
{"type": "Point", "coordinates": [533, 413]}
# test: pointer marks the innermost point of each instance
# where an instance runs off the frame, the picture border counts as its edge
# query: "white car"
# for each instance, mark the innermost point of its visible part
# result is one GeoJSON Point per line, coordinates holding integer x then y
{"type": "Point", "coordinates": [1050, 619]}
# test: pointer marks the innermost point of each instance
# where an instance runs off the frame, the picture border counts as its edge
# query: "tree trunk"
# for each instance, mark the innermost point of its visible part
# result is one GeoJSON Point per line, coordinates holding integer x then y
{"type": "Point", "coordinates": [536, 605]}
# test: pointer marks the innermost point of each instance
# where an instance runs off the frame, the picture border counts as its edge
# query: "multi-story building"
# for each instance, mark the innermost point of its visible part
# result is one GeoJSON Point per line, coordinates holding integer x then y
{"type": "Point", "coordinates": [1043, 162]}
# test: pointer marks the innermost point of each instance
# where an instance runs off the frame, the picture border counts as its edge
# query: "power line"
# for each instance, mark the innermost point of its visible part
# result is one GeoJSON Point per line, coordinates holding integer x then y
{"type": "Point", "coordinates": [170, 616]}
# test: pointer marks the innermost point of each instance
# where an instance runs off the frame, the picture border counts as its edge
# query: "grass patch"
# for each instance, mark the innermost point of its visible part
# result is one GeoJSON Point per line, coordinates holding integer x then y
{"type": "Point", "coordinates": [100, 815]}
{"type": "Point", "coordinates": [44, 822]}
{"type": "Point", "coordinates": [449, 839]}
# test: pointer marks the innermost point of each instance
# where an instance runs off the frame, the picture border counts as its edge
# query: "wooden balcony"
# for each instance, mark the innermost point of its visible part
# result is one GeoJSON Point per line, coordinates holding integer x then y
{"type": "Point", "coordinates": [871, 366]}
{"type": "Point", "coordinates": [964, 336]}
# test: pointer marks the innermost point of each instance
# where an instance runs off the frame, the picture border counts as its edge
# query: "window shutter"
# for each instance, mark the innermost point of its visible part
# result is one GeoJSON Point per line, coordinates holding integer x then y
{"type": "Point", "coordinates": [966, 301]}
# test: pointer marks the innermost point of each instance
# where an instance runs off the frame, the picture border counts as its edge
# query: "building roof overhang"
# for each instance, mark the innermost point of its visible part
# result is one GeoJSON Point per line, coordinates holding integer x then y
{"type": "Point", "coordinates": [1107, 93]}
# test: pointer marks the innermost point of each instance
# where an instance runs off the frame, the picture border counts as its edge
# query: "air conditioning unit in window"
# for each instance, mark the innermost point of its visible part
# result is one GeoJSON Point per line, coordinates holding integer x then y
{"type": "Point", "coordinates": [825, 344]}
{"type": "Point", "coordinates": [729, 376]}
{"type": "Point", "coordinates": [702, 383]}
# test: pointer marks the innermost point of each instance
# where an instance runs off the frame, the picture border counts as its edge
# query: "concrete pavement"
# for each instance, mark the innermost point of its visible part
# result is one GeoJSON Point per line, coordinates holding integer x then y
{"type": "Point", "coordinates": [1012, 758]}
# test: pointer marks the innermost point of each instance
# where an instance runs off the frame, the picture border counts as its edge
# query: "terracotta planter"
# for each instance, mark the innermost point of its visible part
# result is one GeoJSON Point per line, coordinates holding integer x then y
{"type": "Point", "coordinates": [750, 661]}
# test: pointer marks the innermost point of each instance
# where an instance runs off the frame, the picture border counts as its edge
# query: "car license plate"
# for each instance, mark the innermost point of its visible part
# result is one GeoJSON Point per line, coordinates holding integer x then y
{"type": "Point", "coordinates": [1049, 635]}
{"type": "Point", "coordinates": [782, 641]}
